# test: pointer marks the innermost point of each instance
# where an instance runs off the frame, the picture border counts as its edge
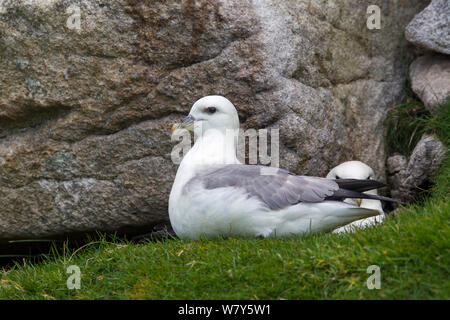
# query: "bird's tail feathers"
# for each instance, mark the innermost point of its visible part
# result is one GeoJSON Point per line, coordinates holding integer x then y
{"type": "Point", "coordinates": [359, 185]}
{"type": "Point", "coordinates": [341, 194]}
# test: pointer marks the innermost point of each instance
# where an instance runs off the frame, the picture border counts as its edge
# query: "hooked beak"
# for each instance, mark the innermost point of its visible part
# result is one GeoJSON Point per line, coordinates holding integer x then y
{"type": "Point", "coordinates": [187, 123]}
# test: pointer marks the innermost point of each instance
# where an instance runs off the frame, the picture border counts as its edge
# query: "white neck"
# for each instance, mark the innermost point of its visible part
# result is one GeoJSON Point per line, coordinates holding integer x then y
{"type": "Point", "coordinates": [213, 147]}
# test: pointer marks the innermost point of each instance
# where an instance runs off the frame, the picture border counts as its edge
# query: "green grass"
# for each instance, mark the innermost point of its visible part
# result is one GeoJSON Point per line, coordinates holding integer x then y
{"type": "Point", "coordinates": [404, 125]}
{"type": "Point", "coordinates": [411, 249]}
{"type": "Point", "coordinates": [440, 125]}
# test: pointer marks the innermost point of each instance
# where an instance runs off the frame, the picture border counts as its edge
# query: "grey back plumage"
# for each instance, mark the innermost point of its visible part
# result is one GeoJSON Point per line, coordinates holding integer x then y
{"type": "Point", "coordinates": [276, 188]}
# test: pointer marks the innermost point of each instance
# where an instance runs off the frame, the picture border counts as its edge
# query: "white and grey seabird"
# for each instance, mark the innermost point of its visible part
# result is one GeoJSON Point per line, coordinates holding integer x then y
{"type": "Point", "coordinates": [214, 195]}
{"type": "Point", "coordinates": [358, 170]}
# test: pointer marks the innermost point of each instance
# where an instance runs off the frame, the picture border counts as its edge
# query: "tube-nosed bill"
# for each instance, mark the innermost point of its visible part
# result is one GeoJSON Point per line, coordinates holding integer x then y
{"type": "Point", "coordinates": [187, 123]}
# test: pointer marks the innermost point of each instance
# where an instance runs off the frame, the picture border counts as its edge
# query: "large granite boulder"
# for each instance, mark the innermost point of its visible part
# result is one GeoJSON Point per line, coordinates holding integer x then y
{"type": "Point", "coordinates": [89, 90]}
{"type": "Point", "coordinates": [430, 79]}
{"type": "Point", "coordinates": [430, 29]}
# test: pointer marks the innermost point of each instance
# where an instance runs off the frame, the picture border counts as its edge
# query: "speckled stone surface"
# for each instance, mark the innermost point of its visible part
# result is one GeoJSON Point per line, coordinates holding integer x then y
{"type": "Point", "coordinates": [85, 114]}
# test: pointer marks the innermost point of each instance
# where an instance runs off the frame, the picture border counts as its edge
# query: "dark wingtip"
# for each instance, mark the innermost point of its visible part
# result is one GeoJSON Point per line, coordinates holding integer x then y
{"type": "Point", "coordinates": [344, 193]}
{"type": "Point", "coordinates": [359, 185]}
{"type": "Point", "coordinates": [387, 199]}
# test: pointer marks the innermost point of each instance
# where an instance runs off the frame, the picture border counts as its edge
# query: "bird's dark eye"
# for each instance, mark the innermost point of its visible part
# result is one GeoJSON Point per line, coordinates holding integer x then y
{"type": "Point", "coordinates": [211, 109]}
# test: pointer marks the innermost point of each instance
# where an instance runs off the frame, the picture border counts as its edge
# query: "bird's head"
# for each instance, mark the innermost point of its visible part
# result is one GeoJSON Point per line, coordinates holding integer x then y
{"type": "Point", "coordinates": [351, 170]}
{"type": "Point", "coordinates": [211, 112]}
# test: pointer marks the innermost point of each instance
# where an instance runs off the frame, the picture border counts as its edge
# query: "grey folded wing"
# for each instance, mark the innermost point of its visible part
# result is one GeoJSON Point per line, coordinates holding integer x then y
{"type": "Point", "coordinates": [276, 188]}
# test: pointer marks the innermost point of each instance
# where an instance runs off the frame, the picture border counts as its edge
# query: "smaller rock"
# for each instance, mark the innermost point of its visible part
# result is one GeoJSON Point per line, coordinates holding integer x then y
{"type": "Point", "coordinates": [430, 79]}
{"type": "Point", "coordinates": [409, 179]}
{"type": "Point", "coordinates": [396, 166]}
{"type": "Point", "coordinates": [425, 160]}
{"type": "Point", "coordinates": [396, 163]}
{"type": "Point", "coordinates": [430, 28]}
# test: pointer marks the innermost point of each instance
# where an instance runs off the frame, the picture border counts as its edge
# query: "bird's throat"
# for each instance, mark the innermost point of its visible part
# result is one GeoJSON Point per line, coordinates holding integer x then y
{"type": "Point", "coordinates": [214, 147]}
